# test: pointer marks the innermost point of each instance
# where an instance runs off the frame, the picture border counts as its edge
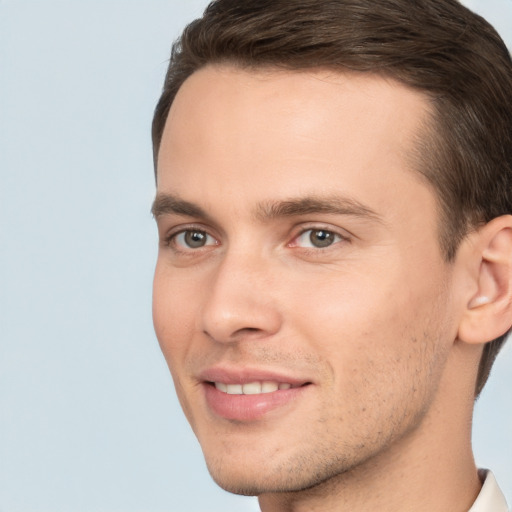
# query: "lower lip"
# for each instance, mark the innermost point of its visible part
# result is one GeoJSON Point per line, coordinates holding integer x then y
{"type": "Point", "coordinates": [248, 407]}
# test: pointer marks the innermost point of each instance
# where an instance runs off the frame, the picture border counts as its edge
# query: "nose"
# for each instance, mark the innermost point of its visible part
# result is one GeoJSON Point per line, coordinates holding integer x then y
{"type": "Point", "coordinates": [241, 301]}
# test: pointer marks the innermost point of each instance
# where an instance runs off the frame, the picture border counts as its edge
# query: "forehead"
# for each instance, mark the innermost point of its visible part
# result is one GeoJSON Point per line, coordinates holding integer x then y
{"type": "Point", "coordinates": [287, 133]}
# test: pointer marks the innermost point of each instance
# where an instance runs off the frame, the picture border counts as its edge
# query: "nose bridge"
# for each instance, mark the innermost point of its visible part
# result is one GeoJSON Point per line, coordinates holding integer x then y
{"type": "Point", "coordinates": [240, 300]}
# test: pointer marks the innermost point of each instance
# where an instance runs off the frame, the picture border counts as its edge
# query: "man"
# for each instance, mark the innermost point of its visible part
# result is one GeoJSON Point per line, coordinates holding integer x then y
{"type": "Point", "coordinates": [334, 277]}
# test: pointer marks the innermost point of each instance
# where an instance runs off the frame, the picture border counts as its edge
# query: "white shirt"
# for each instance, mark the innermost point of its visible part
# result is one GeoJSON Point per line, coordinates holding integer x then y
{"type": "Point", "coordinates": [491, 498]}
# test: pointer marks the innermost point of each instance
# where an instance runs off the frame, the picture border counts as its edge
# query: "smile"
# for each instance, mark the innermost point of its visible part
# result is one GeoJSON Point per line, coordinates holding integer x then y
{"type": "Point", "coordinates": [252, 388]}
{"type": "Point", "coordinates": [251, 400]}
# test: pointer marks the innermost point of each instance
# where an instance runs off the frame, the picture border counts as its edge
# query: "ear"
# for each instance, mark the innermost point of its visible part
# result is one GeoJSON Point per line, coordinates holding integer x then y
{"type": "Point", "coordinates": [488, 310]}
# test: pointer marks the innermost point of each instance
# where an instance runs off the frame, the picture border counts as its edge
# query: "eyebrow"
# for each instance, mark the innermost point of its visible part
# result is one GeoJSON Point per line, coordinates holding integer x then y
{"type": "Point", "coordinates": [333, 204]}
{"type": "Point", "coordinates": [168, 204]}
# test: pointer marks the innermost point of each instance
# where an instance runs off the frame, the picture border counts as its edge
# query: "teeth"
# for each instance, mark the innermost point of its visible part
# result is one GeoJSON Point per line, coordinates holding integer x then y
{"type": "Point", "coordinates": [221, 387]}
{"type": "Point", "coordinates": [269, 387]}
{"type": "Point", "coordinates": [252, 388]}
{"type": "Point", "coordinates": [234, 389]}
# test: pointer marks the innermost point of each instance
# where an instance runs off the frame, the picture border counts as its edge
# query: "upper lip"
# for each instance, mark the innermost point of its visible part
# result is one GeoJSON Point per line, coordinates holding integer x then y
{"type": "Point", "coordinates": [246, 375]}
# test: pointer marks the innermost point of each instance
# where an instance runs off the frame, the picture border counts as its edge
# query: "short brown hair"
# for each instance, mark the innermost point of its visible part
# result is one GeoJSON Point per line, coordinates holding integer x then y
{"type": "Point", "coordinates": [438, 47]}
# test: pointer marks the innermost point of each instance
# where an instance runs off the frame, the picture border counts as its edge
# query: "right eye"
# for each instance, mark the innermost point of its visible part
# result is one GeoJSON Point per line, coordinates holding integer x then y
{"type": "Point", "coordinates": [192, 239]}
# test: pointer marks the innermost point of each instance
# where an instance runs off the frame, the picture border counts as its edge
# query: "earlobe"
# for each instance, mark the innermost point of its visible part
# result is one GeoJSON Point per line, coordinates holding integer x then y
{"type": "Point", "coordinates": [488, 313]}
{"type": "Point", "coordinates": [479, 300]}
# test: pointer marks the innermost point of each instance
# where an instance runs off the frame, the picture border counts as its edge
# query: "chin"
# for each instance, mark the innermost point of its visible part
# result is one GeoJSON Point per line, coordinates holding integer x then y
{"type": "Point", "coordinates": [249, 484]}
{"type": "Point", "coordinates": [274, 476]}
{"type": "Point", "coordinates": [240, 477]}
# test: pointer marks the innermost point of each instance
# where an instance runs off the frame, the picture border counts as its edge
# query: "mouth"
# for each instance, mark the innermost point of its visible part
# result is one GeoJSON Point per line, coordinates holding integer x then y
{"type": "Point", "coordinates": [245, 399]}
{"type": "Point", "coordinates": [254, 388]}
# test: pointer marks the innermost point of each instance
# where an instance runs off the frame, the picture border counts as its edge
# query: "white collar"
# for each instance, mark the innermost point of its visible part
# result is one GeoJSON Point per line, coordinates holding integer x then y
{"type": "Point", "coordinates": [491, 498]}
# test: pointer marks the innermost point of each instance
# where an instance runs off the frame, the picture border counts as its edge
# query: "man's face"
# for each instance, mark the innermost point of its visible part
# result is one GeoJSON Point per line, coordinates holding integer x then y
{"type": "Point", "coordinates": [299, 264]}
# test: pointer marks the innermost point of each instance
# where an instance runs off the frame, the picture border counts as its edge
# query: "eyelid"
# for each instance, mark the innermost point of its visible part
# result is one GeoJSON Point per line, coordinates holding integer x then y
{"type": "Point", "coordinates": [176, 239]}
{"type": "Point", "coordinates": [341, 233]}
{"type": "Point", "coordinates": [169, 238]}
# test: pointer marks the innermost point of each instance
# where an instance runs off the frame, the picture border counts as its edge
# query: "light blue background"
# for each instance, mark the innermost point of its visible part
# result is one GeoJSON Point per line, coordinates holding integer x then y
{"type": "Point", "coordinates": [89, 421]}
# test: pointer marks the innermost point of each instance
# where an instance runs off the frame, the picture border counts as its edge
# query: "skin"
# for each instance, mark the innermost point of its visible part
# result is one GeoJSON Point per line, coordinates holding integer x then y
{"type": "Point", "coordinates": [370, 322]}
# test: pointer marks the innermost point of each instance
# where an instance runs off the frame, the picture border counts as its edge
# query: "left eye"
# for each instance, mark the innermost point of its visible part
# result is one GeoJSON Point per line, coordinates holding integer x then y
{"type": "Point", "coordinates": [194, 239]}
{"type": "Point", "coordinates": [317, 238]}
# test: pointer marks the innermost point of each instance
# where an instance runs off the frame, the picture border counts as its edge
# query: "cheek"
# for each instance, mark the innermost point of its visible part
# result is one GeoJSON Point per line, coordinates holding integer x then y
{"type": "Point", "coordinates": [173, 323]}
{"type": "Point", "coordinates": [173, 316]}
{"type": "Point", "coordinates": [379, 333]}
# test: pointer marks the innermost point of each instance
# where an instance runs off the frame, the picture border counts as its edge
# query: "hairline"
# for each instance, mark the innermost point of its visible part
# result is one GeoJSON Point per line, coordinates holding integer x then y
{"type": "Point", "coordinates": [424, 139]}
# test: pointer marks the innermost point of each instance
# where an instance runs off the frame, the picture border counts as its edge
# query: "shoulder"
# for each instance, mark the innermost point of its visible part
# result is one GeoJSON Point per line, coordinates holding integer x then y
{"type": "Point", "coordinates": [490, 499]}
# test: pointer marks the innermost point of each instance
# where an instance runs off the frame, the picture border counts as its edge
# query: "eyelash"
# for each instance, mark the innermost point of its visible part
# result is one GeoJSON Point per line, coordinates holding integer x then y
{"type": "Point", "coordinates": [171, 240]}
{"type": "Point", "coordinates": [338, 237]}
